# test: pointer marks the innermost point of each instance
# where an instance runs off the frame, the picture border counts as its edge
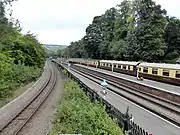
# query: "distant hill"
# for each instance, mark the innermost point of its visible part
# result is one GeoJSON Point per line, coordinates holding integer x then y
{"type": "Point", "coordinates": [54, 47]}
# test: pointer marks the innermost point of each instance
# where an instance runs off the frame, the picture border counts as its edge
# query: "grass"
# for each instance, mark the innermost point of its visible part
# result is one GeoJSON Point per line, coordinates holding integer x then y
{"type": "Point", "coordinates": [13, 79]}
{"type": "Point", "coordinates": [77, 114]}
{"type": "Point", "coordinates": [15, 94]}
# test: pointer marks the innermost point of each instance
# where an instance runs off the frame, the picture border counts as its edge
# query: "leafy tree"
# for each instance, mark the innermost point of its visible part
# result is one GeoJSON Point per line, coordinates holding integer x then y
{"type": "Point", "coordinates": [123, 24]}
{"type": "Point", "coordinates": [108, 29]}
{"type": "Point", "coordinates": [93, 37]}
{"type": "Point", "coordinates": [22, 57]}
{"type": "Point", "coordinates": [148, 34]}
{"type": "Point", "coordinates": [117, 49]}
{"type": "Point", "coordinates": [172, 38]}
{"type": "Point", "coordinates": [133, 30]}
{"type": "Point", "coordinates": [124, 21]}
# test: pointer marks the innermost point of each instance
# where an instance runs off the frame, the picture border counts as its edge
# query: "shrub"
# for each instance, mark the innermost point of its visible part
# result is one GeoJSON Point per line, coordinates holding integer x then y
{"type": "Point", "coordinates": [77, 114]}
{"type": "Point", "coordinates": [13, 76]}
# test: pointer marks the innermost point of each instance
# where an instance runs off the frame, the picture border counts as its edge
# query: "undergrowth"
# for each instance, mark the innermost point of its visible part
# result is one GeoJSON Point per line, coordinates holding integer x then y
{"type": "Point", "coordinates": [77, 114]}
{"type": "Point", "coordinates": [14, 76]}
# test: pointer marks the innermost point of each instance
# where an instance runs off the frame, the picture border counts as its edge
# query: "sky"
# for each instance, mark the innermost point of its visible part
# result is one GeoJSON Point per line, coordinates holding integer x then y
{"type": "Point", "coordinates": [63, 21]}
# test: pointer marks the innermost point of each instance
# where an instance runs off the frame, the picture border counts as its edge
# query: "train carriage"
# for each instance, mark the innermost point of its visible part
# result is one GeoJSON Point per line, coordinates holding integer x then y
{"type": "Point", "coordinates": [161, 72]}
{"type": "Point", "coordinates": [119, 66]}
{"type": "Point", "coordinates": [168, 73]}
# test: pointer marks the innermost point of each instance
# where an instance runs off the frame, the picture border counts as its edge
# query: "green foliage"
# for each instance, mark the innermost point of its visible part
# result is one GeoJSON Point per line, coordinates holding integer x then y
{"type": "Point", "coordinates": [22, 57]}
{"type": "Point", "coordinates": [148, 34]}
{"type": "Point", "coordinates": [77, 114]}
{"type": "Point", "coordinates": [13, 76]}
{"type": "Point", "coordinates": [172, 38]}
{"type": "Point", "coordinates": [117, 49]}
{"type": "Point", "coordinates": [133, 30]}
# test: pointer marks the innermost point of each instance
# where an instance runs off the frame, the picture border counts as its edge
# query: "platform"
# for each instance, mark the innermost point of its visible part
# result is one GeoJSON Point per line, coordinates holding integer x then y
{"type": "Point", "coordinates": [142, 117]}
{"type": "Point", "coordinates": [150, 83]}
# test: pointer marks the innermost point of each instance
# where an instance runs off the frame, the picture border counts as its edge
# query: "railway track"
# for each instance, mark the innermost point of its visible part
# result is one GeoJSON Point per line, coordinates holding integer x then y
{"type": "Point", "coordinates": [162, 107]}
{"type": "Point", "coordinates": [19, 121]}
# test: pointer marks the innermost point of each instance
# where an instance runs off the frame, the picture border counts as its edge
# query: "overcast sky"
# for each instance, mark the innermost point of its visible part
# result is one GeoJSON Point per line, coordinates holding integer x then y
{"type": "Point", "coordinates": [63, 21]}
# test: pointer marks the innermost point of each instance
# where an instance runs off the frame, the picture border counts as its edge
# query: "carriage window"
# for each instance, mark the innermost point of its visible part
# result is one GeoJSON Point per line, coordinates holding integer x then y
{"type": "Point", "coordinates": [178, 74]}
{"type": "Point", "coordinates": [128, 67]}
{"type": "Point", "coordinates": [145, 70]}
{"type": "Point", "coordinates": [154, 71]}
{"type": "Point", "coordinates": [119, 66]}
{"type": "Point", "coordinates": [110, 65]}
{"type": "Point", "coordinates": [165, 72]}
{"type": "Point", "coordinates": [124, 66]}
{"type": "Point", "coordinates": [134, 68]}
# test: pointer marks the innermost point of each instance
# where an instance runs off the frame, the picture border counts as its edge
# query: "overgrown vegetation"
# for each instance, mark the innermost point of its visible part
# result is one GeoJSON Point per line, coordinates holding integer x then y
{"type": "Point", "coordinates": [133, 30]}
{"type": "Point", "coordinates": [22, 57]}
{"type": "Point", "coordinates": [77, 114]}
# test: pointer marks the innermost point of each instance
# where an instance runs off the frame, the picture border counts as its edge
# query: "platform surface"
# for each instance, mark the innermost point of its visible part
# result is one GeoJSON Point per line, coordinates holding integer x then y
{"type": "Point", "coordinates": [144, 118]}
{"type": "Point", "coordinates": [155, 84]}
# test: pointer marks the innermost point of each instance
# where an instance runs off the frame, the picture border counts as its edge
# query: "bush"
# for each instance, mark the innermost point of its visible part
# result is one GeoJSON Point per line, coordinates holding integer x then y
{"type": "Point", "coordinates": [13, 76]}
{"type": "Point", "coordinates": [77, 114]}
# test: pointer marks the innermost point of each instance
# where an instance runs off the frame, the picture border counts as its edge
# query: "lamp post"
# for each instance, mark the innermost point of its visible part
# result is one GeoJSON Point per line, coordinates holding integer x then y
{"type": "Point", "coordinates": [137, 70]}
{"type": "Point", "coordinates": [104, 87]}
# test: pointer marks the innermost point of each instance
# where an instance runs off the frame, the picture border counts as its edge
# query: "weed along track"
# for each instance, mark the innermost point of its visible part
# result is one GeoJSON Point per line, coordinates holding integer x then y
{"type": "Point", "coordinates": [16, 124]}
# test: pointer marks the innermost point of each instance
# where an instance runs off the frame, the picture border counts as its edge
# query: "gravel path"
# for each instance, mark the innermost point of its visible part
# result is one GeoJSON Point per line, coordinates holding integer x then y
{"type": "Point", "coordinates": [41, 122]}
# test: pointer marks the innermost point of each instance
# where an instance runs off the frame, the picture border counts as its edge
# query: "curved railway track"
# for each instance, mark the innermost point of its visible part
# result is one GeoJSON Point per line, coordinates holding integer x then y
{"type": "Point", "coordinates": [162, 107]}
{"type": "Point", "coordinates": [19, 121]}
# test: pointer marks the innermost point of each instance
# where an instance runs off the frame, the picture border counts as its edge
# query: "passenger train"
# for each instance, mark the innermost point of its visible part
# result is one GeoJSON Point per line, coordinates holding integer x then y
{"type": "Point", "coordinates": [168, 73]}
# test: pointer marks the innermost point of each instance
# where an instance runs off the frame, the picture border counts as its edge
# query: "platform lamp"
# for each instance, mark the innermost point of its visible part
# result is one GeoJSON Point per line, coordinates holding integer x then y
{"type": "Point", "coordinates": [104, 86]}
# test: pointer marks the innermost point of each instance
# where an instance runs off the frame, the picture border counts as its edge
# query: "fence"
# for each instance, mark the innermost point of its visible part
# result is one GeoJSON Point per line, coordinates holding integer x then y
{"type": "Point", "coordinates": [123, 119]}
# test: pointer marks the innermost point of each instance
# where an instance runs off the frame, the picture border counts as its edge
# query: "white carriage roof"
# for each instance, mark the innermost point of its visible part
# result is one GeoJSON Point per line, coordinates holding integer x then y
{"type": "Point", "coordinates": [160, 65]}
{"type": "Point", "coordinates": [145, 64]}
{"type": "Point", "coordinates": [120, 62]}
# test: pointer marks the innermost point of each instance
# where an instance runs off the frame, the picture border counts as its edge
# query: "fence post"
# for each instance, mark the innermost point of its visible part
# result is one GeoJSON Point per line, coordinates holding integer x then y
{"type": "Point", "coordinates": [126, 120]}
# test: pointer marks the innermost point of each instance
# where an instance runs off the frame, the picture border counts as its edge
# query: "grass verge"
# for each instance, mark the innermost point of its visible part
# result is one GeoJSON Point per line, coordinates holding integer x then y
{"type": "Point", "coordinates": [77, 114]}
{"type": "Point", "coordinates": [16, 93]}
{"type": "Point", "coordinates": [13, 79]}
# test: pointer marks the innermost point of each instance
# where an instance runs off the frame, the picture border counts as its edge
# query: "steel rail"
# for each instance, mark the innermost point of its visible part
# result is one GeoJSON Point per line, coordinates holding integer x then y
{"type": "Point", "coordinates": [20, 120]}
{"type": "Point", "coordinates": [164, 104]}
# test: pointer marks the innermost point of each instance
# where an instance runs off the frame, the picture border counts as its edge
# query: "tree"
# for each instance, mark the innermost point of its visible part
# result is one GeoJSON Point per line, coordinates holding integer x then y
{"type": "Point", "coordinates": [108, 29]}
{"type": "Point", "coordinates": [123, 24]}
{"type": "Point", "coordinates": [124, 21]}
{"type": "Point", "coordinates": [93, 37]}
{"type": "Point", "coordinates": [172, 38]}
{"type": "Point", "coordinates": [147, 36]}
{"type": "Point", "coordinates": [134, 30]}
{"type": "Point", "coordinates": [117, 49]}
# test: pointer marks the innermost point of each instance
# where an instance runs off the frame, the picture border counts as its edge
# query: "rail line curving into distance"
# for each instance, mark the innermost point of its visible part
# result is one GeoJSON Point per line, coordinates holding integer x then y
{"type": "Point", "coordinates": [18, 122]}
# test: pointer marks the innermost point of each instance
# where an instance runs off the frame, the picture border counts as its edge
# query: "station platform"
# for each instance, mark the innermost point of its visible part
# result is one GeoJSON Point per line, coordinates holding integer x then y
{"type": "Point", "coordinates": [150, 83]}
{"type": "Point", "coordinates": [145, 119]}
